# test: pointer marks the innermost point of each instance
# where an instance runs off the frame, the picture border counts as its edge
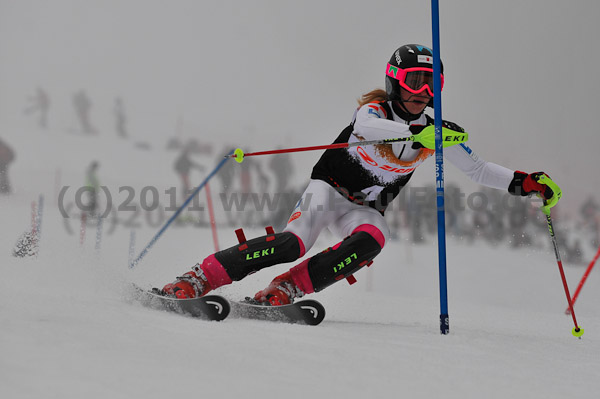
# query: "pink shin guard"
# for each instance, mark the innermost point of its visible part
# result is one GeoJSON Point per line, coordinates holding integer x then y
{"type": "Point", "coordinates": [215, 273]}
{"type": "Point", "coordinates": [301, 243]}
{"type": "Point", "coordinates": [301, 277]}
{"type": "Point", "coordinates": [300, 272]}
{"type": "Point", "coordinates": [373, 232]}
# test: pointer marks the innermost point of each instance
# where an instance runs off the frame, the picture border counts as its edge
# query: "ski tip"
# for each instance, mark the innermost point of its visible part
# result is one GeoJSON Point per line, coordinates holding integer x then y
{"type": "Point", "coordinates": [314, 312]}
{"type": "Point", "coordinates": [220, 307]}
{"type": "Point", "coordinates": [308, 312]}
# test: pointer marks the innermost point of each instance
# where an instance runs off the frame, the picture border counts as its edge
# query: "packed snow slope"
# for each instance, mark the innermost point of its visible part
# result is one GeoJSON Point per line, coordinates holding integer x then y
{"type": "Point", "coordinates": [69, 327]}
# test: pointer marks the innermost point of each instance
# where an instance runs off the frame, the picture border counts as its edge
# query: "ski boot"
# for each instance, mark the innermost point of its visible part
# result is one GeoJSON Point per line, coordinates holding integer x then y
{"type": "Point", "coordinates": [192, 284]}
{"type": "Point", "coordinates": [281, 291]}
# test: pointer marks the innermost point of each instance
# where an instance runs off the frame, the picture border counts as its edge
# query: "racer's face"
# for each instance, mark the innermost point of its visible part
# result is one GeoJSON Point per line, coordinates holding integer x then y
{"type": "Point", "coordinates": [414, 103]}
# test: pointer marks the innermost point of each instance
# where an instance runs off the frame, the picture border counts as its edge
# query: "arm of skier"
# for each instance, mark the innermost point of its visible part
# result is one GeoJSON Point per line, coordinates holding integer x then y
{"type": "Point", "coordinates": [480, 171]}
{"type": "Point", "coordinates": [371, 124]}
{"type": "Point", "coordinates": [496, 176]}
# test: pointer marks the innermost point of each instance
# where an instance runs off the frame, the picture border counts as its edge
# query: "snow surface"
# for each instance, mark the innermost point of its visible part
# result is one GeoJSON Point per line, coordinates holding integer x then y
{"type": "Point", "coordinates": [70, 329]}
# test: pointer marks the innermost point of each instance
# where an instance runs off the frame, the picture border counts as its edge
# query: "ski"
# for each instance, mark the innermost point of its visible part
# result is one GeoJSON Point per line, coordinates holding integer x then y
{"type": "Point", "coordinates": [307, 311]}
{"type": "Point", "coordinates": [209, 307]}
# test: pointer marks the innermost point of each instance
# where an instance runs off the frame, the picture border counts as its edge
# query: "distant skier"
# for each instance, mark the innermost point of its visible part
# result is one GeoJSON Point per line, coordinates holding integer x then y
{"type": "Point", "coordinates": [39, 104]}
{"type": "Point", "coordinates": [591, 220]}
{"type": "Point", "coordinates": [7, 155]}
{"type": "Point", "coordinates": [283, 169]}
{"type": "Point", "coordinates": [350, 189]}
{"type": "Point", "coordinates": [183, 166]}
{"type": "Point", "coordinates": [83, 106]}
{"type": "Point", "coordinates": [120, 118]}
{"type": "Point", "coordinates": [92, 184]}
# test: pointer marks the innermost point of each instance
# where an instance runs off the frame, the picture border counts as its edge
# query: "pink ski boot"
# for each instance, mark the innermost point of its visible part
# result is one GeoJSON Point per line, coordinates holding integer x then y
{"type": "Point", "coordinates": [192, 284]}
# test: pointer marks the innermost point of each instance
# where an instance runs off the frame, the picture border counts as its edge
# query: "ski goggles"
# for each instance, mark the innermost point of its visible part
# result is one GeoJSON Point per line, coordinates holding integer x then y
{"type": "Point", "coordinates": [415, 80]}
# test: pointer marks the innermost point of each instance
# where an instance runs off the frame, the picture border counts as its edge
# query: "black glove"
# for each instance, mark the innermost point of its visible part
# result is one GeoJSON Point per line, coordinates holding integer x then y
{"type": "Point", "coordinates": [416, 129]}
{"type": "Point", "coordinates": [536, 183]}
{"type": "Point", "coordinates": [452, 126]}
{"type": "Point", "coordinates": [524, 184]}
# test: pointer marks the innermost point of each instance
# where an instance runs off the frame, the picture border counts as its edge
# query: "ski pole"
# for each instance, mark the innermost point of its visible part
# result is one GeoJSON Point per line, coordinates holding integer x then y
{"type": "Point", "coordinates": [577, 331]}
{"type": "Point", "coordinates": [426, 138]}
{"type": "Point", "coordinates": [131, 247]}
{"type": "Point", "coordinates": [211, 216]}
{"type": "Point", "coordinates": [144, 251]}
{"type": "Point", "coordinates": [585, 276]}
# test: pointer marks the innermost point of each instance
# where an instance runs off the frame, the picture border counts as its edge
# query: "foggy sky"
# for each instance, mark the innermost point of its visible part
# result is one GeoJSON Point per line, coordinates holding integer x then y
{"type": "Point", "coordinates": [520, 75]}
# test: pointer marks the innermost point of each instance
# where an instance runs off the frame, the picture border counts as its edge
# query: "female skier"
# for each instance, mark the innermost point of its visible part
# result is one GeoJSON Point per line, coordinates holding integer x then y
{"type": "Point", "coordinates": [350, 189]}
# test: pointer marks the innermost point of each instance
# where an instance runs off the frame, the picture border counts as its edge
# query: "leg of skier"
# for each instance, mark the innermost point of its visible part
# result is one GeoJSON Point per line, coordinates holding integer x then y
{"type": "Point", "coordinates": [366, 232]}
{"type": "Point", "coordinates": [235, 263]}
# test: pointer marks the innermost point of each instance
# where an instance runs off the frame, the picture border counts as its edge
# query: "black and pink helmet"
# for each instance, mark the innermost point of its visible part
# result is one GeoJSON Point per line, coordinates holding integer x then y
{"type": "Point", "coordinates": [410, 67]}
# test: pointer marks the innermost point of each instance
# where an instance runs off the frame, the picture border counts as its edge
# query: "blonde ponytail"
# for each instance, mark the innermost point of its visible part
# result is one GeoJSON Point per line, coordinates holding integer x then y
{"type": "Point", "coordinates": [372, 96]}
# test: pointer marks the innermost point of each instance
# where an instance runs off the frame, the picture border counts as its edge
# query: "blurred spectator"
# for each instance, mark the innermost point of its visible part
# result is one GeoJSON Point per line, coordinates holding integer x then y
{"type": "Point", "coordinates": [517, 221]}
{"type": "Point", "coordinates": [183, 165]}
{"type": "Point", "coordinates": [92, 183]}
{"type": "Point", "coordinates": [197, 147]}
{"type": "Point", "coordinates": [227, 173]}
{"type": "Point", "coordinates": [83, 105]}
{"type": "Point", "coordinates": [591, 220]}
{"type": "Point", "coordinates": [39, 104]}
{"type": "Point", "coordinates": [282, 167]}
{"type": "Point", "coordinates": [227, 176]}
{"type": "Point", "coordinates": [120, 118]}
{"type": "Point", "coordinates": [589, 208]}
{"type": "Point", "coordinates": [174, 143]}
{"type": "Point", "coordinates": [261, 185]}
{"type": "Point", "coordinates": [575, 253]}
{"type": "Point", "coordinates": [262, 178]}
{"type": "Point", "coordinates": [7, 155]}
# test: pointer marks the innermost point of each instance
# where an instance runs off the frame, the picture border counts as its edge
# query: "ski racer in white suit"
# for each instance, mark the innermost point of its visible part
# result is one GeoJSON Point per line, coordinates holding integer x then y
{"type": "Point", "coordinates": [350, 189]}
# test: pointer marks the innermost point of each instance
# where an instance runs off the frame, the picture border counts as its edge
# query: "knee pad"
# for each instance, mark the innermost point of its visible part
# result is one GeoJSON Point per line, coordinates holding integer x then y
{"type": "Point", "coordinates": [343, 260]}
{"type": "Point", "coordinates": [251, 256]}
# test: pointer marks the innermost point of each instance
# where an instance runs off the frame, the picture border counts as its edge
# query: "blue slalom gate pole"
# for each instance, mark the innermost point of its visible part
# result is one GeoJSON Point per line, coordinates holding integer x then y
{"type": "Point", "coordinates": [133, 263]}
{"type": "Point", "coordinates": [439, 167]}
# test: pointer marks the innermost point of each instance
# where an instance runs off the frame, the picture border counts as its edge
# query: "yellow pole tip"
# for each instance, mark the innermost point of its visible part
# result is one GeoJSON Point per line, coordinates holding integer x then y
{"type": "Point", "coordinates": [238, 155]}
{"type": "Point", "coordinates": [577, 332]}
